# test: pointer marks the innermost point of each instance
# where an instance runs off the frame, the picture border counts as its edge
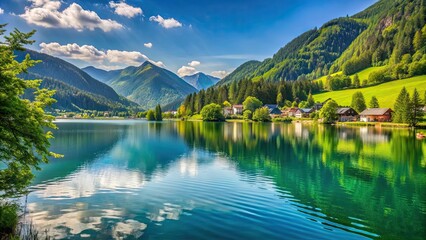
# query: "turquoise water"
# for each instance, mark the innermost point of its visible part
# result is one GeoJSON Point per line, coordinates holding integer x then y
{"type": "Point", "coordinates": [194, 180]}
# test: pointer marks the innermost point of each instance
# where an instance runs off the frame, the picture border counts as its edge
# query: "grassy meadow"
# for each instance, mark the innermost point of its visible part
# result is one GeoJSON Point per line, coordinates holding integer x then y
{"type": "Point", "coordinates": [386, 93]}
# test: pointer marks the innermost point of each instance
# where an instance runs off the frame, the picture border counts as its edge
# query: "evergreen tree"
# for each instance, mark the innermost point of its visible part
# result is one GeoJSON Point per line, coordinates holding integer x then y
{"type": "Point", "coordinates": [311, 101]}
{"type": "Point", "coordinates": [416, 109]}
{"type": "Point", "coordinates": [374, 103]}
{"type": "Point", "coordinates": [158, 113]}
{"type": "Point", "coordinates": [280, 100]}
{"type": "Point", "coordinates": [402, 107]}
{"type": "Point", "coordinates": [358, 102]}
{"type": "Point", "coordinates": [232, 94]}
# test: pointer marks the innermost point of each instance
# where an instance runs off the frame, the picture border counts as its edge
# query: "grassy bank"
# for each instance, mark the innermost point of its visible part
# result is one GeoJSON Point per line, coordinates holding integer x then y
{"type": "Point", "coordinates": [386, 93]}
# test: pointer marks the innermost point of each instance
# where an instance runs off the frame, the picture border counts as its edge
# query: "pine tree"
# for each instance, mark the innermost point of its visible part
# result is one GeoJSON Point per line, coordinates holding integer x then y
{"type": "Point", "coordinates": [374, 103]}
{"type": "Point", "coordinates": [358, 102]}
{"type": "Point", "coordinates": [401, 107]}
{"type": "Point", "coordinates": [311, 101]}
{"type": "Point", "coordinates": [280, 100]}
{"type": "Point", "coordinates": [158, 113]}
{"type": "Point", "coordinates": [416, 109]}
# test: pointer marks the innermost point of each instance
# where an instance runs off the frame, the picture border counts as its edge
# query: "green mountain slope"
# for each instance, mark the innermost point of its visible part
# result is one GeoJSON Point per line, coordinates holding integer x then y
{"type": "Point", "coordinates": [100, 74]}
{"type": "Point", "coordinates": [150, 85]}
{"type": "Point", "coordinates": [75, 89]}
{"type": "Point", "coordinates": [382, 34]}
{"type": "Point", "coordinates": [241, 72]}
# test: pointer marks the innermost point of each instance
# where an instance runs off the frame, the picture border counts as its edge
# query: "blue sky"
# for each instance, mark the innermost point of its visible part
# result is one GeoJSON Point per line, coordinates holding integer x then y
{"type": "Point", "coordinates": [187, 36]}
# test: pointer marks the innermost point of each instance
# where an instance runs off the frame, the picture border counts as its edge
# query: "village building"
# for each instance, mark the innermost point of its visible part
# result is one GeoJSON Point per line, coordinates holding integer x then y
{"type": "Point", "coordinates": [317, 106]}
{"type": "Point", "coordinates": [237, 109]}
{"type": "Point", "coordinates": [273, 109]}
{"type": "Point", "coordinates": [347, 114]}
{"type": "Point", "coordinates": [228, 111]}
{"type": "Point", "coordinates": [376, 115]}
{"type": "Point", "coordinates": [303, 112]}
{"type": "Point", "coordinates": [289, 112]}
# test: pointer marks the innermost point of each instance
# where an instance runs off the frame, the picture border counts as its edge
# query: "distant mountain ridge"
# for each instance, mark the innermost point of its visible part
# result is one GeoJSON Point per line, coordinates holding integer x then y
{"type": "Point", "coordinates": [75, 89]}
{"type": "Point", "coordinates": [100, 74]}
{"type": "Point", "coordinates": [148, 84]}
{"type": "Point", "coordinates": [200, 80]}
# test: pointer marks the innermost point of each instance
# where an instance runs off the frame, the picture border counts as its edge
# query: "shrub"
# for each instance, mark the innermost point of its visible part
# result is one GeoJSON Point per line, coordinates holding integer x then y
{"type": "Point", "coordinates": [262, 115]}
{"type": "Point", "coordinates": [8, 219]}
{"type": "Point", "coordinates": [150, 115]}
{"type": "Point", "coordinates": [247, 115]}
{"type": "Point", "coordinates": [212, 112]}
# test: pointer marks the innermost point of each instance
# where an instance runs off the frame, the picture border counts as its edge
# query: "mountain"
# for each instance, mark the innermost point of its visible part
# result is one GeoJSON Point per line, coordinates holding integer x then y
{"type": "Point", "coordinates": [75, 89]}
{"type": "Point", "coordinates": [150, 85]}
{"type": "Point", "coordinates": [100, 74]}
{"type": "Point", "coordinates": [241, 72]}
{"type": "Point", "coordinates": [201, 80]}
{"type": "Point", "coordinates": [380, 35]}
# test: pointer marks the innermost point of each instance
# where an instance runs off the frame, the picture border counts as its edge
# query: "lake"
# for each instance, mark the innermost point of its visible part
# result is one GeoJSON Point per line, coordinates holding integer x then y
{"type": "Point", "coordinates": [195, 180]}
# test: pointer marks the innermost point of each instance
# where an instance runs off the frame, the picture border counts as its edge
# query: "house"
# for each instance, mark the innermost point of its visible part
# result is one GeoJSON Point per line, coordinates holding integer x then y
{"type": "Point", "coordinates": [237, 109]}
{"type": "Point", "coordinates": [228, 111]}
{"type": "Point", "coordinates": [376, 115]}
{"type": "Point", "coordinates": [317, 106]}
{"type": "Point", "coordinates": [273, 109]}
{"type": "Point", "coordinates": [347, 114]}
{"type": "Point", "coordinates": [289, 112]}
{"type": "Point", "coordinates": [303, 112]}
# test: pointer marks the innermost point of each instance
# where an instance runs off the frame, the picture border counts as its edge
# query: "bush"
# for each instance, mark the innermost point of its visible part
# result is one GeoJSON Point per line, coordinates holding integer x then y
{"type": "Point", "coordinates": [8, 219]}
{"type": "Point", "coordinates": [284, 119]}
{"type": "Point", "coordinates": [261, 115]}
{"type": "Point", "coordinates": [150, 115]}
{"type": "Point", "coordinates": [328, 112]}
{"type": "Point", "coordinates": [247, 115]}
{"type": "Point", "coordinates": [212, 112]}
{"type": "Point", "coordinates": [380, 76]}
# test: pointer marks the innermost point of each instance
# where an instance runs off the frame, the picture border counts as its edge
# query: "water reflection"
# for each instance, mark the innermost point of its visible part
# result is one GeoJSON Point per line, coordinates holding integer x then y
{"type": "Point", "coordinates": [181, 180]}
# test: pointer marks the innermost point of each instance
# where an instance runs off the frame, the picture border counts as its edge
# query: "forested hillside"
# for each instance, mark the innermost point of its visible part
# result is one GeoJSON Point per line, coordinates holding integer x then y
{"type": "Point", "coordinates": [75, 89]}
{"type": "Point", "coordinates": [390, 32]}
{"type": "Point", "coordinates": [150, 85]}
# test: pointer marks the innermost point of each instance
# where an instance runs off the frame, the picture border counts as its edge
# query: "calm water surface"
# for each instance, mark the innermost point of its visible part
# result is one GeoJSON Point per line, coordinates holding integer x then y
{"type": "Point", "coordinates": [194, 180]}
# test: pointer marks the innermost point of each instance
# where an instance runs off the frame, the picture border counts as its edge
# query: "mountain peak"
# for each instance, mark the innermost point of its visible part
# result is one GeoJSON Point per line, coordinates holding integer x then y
{"type": "Point", "coordinates": [201, 80]}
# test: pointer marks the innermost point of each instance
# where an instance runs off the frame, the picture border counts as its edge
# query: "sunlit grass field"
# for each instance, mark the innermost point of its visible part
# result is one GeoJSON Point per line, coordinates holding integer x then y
{"type": "Point", "coordinates": [386, 93]}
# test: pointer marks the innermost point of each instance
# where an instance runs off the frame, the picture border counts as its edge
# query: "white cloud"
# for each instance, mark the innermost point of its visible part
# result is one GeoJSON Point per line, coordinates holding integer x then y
{"type": "Point", "coordinates": [158, 64]}
{"type": "Point", "coordinates": [107, 59]}
{"type": "Point", "coordinates": [148, 45]}
{"type": "Point", "coordinates": [194, 63]}
{"type": "Point", "coordinates": [1, 11]}
{"type": "Point", "coordinates": [165, 23]}
{"type": "Point", "coordinates": [46, 13]}
{"type": "Point", "coordinates": [188, 70]}
{"type": "Point", "coordinates": [124, 9]}
{"type": "Point", "coordinates": [185, 71]}
{"type": "Point", "coordinates": [219, 74]}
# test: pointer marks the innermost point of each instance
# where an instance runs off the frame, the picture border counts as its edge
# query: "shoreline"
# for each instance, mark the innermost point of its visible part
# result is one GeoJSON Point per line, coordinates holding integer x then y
{"type": "Point", "coordinates": [307, 121]}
